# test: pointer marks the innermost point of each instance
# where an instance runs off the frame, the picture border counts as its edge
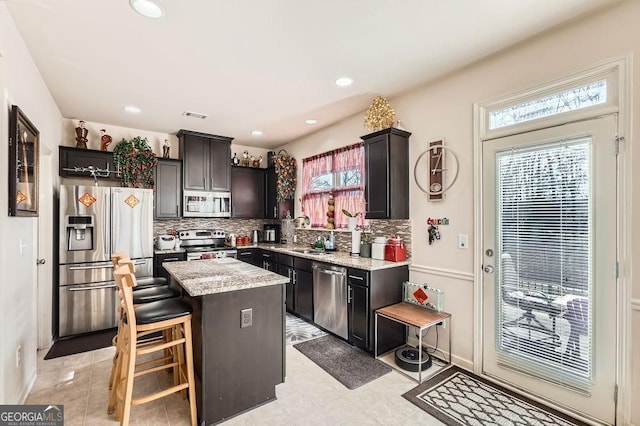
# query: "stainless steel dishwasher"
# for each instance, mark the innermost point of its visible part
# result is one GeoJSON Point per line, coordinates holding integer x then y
{"type": "Point", "coordinates": [330, 298]}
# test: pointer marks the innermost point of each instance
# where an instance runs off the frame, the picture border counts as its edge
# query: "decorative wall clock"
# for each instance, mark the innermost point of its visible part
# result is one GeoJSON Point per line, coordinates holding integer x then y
{"type": "Point", "coordinates": [436, 170]}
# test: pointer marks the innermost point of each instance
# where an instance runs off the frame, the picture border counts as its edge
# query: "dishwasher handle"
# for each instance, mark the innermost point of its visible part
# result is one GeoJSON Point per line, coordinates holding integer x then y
{"type": "Point", "coordinates": [330, 272]}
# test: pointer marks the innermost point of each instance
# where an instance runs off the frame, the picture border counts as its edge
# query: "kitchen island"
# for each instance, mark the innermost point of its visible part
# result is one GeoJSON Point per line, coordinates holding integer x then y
{"type": "Point", "coordinates": [238, 333]}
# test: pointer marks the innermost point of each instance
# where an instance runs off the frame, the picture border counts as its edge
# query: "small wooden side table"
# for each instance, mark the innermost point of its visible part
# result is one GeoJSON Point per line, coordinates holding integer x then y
{"type": "Point", "coordinates": [415, 316]}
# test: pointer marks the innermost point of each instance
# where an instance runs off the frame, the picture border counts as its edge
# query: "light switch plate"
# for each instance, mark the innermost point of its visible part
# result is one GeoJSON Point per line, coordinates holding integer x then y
{"type": "Point", "coordinates": [463, 241]}
{"type": "Point", "coordinates": [246, 318]}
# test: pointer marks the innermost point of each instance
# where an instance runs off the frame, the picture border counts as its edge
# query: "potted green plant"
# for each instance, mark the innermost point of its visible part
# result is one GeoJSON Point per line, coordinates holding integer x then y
{"type": "Point", "coordinates": [135, 160]}
{"type": "Point", "coordinates": [352, 219]}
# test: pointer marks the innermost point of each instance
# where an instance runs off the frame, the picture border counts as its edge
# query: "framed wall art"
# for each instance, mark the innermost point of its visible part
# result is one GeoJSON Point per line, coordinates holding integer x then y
{"type": "Point", "coordinates": [24, 145]}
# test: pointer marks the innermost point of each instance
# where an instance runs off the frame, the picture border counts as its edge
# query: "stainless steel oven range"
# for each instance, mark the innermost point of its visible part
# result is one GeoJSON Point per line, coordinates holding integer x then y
{"type": "Point", "coordinates": [205, 244]}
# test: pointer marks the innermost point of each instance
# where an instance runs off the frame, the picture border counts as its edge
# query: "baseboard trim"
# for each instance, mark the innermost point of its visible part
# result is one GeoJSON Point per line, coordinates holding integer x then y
{"type": "Point", "coordinates": [449, 273]}
{"type": "Point", "coordinates": [27, 388]}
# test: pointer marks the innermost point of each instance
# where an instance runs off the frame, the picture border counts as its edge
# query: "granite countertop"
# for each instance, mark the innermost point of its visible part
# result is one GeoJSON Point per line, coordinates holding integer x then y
{"type": "Point", "coordinates": [211, 276]}
{"type": "Point", "coordinates": [341, 258]}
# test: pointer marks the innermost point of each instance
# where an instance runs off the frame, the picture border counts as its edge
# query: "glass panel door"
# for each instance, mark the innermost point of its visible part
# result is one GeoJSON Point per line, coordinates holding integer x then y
{"type": "Point", "coordinates": [549, 203]}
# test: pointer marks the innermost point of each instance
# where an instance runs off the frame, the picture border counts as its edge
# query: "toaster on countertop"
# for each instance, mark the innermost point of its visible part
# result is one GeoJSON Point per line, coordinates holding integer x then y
{"type": "Point", "coordinates": [165, 242]}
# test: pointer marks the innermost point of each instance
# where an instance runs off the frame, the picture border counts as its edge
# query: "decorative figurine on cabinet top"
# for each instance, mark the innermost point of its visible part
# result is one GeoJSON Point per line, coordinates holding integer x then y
{"type": "Point", "coordinates": [245, 159]}
{"type": "Point", "coordinates": [105, 140]}
{"type": "Point", "coordinates": [81, 135]}
{"type": "Point", "coordinates": [235, 160]}
{"type": "Point", "coordinates": [166, 147]}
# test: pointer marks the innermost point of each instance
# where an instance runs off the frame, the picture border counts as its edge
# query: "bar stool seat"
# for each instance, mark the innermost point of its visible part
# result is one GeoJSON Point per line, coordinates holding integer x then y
{"type": "Point", "coordinates": [151, 282]}
{"type": "Point", "coordinates": [154, 294]}
{"type": "Point", "coordinates": [164, 310]}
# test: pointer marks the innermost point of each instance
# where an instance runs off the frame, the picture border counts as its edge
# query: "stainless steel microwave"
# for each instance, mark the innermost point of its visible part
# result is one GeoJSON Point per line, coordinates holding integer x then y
{"type": "Point", "coordinates": [206, 204]}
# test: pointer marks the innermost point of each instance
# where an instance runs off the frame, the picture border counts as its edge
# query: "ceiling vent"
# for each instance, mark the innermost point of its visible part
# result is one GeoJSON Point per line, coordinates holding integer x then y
{"type": "Point", "coordinates": [194, 115]}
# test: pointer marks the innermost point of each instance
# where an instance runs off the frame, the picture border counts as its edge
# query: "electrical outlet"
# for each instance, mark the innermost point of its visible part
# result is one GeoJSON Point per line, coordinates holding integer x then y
{"type": "Point", "coordinates": [246, 318]}
{"type": "Point", "coordinates": [463, 241]}
{"type": "Point", "coordinates": [442, 324]}
{"type": "Point", "coordinates": [18, 356]}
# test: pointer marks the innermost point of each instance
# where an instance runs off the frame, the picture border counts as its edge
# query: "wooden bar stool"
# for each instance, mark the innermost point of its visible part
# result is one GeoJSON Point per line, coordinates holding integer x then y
{"type": "Point", "coordinates": [140, 296]}
{"type": "Point", "coordinates": [173, 316]}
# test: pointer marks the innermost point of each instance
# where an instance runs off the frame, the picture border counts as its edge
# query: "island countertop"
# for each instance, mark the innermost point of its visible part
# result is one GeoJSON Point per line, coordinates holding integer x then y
{"type": "Point", "coordinates": [211, 276]}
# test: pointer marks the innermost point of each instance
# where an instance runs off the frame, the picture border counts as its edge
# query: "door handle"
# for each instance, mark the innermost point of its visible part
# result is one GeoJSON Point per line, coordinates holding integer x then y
{"type": "Point", "coordinates": [488, 269]}
{"type": "Point", "coordinates": [356, 278]}
{"type": "Point", "coordinates": [349, 294]}
{"type": "Point", "coordinates": [41, 261]}
{"type": "Point", "coordinates": [171, 259]}
{"type": "Point", "coordinates": [295, 276]}
{"type": "Point", "coordinates": [275, 212]}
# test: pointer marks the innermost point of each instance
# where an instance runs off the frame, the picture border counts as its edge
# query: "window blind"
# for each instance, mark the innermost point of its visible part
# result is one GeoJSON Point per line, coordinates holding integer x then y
{"type": "Point", "coordinates": [544, 240]}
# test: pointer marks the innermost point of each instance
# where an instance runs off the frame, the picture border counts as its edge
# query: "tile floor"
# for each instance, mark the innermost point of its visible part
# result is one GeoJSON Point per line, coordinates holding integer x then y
{"type": "Point", "coordinates": [309, 396]}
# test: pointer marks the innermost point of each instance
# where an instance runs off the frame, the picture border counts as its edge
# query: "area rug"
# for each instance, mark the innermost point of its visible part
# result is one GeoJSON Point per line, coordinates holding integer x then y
{"type": "Point", "coordinates": [457, 397]}
{"type": "Point", "coordinates": [349, 365]}
{"type": "Point", "coordinates": [82, 343]}
{"type": "Point", "coordinates": [298, 330]}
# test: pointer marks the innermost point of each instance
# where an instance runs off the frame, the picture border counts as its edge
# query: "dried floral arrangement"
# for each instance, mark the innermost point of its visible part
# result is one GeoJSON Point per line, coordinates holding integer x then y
{"type": "Point", "coordinates": [136, 160]}
{"type": "Point", "coordinates": [285, 166]}
{"type": "Point", "coordinates": [380, 115]}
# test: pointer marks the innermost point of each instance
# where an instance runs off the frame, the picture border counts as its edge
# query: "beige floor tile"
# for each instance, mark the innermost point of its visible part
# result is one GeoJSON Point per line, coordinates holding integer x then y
{"type": "Point", "coordinates": [309, 396]}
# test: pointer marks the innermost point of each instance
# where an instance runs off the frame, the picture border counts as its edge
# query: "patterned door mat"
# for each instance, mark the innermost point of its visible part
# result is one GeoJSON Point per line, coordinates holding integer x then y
{"type": "Point", "coordinates": [298, 330]}
{"type": "Point", "coordinates": [457, 397]}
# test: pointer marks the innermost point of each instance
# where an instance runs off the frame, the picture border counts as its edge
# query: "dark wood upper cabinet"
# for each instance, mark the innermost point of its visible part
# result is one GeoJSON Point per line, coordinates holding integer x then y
{"type": "Point", "coordinates": [247, 192]}
{"type": "Point", "coordinates": [387, 174]}
{"type": "Point", "coordinates": [168, 189]}
{"type": "Point", "coordinates": [71, 158]}
{"type": "Point", "coordinates": [207, 161]}
{"type": "Point", "coordinates": [273, 208]}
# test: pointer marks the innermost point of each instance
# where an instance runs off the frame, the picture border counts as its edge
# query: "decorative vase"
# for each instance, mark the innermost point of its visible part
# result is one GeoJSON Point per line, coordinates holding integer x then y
{"type": "Point", "coordinates": [365, 249]}
{"type": "Point", "coordinates": [352, 222]}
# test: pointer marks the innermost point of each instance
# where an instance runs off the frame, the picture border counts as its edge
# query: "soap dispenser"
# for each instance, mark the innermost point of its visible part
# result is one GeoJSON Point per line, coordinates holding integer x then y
{"type": "Point", "coordinates": [331, 243]}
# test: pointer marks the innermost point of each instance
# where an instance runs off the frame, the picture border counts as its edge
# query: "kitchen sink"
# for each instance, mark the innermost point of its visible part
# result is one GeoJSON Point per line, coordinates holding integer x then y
{"type": "Point", "coordinates": [309, 251]}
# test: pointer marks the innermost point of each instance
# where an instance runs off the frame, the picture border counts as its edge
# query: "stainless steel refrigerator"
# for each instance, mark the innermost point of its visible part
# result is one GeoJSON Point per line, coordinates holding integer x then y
{"type": "Point", "coordinates": [95, 223]}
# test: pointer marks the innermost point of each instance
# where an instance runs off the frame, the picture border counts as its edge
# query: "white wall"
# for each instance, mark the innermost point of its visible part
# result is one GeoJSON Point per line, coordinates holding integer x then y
{"type": "Point", "coordinates": [444, 109]}
{"type": "Point", "coordinates": [22, 85]}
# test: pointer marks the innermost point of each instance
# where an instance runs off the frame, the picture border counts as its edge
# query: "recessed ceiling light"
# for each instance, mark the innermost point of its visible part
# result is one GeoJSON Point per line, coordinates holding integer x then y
{"type": "Point", "coordinates": [132, 109]}
{"type": "Point", "coordinates": [147, 8]}
{"type": "Point", "coordinates": [257, 133]}
{"type": "Point", "coordinates": [311, 121]}
{"type": "Point", "coordinates": [344, 81]}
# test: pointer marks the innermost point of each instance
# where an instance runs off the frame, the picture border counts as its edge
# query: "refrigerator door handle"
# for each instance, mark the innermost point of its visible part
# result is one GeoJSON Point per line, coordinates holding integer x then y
{"type": "Point", "coordinates": [101, 287]}
{"type": "Point", "coordinates": [84, 268]}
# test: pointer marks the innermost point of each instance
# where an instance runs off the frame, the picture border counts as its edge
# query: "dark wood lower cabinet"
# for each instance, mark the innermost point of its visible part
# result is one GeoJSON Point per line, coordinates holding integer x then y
{"type": "Point", "coordinates": [304, 294]}
{"type": "Point", "coordinates": [237, 368]}
{"type": "Point", "coordinates": [358, 315]}
{"type": "Point", "coordinates": [159, 259]}
{"type": "Point", "coordinates": [368, 291]}
{"type": "Point", "coordinates": [250, 255]}
{"type": "Point", "coordinates": [303, 278]}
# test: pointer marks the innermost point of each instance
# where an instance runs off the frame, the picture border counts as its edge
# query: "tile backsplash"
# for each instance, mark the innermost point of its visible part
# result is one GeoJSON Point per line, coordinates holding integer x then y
{"type": "Point", "coordinates": [379, 227]}
{"type": "Point", "coordinates": [241, 227]}
{"type": "Point", "coordinates": [230, 226]}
